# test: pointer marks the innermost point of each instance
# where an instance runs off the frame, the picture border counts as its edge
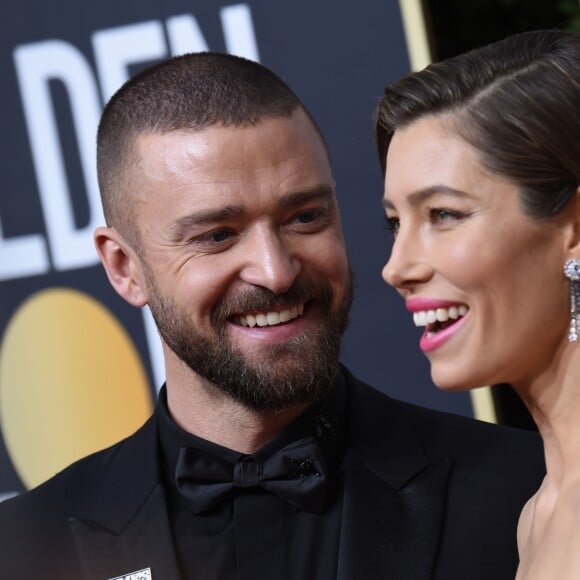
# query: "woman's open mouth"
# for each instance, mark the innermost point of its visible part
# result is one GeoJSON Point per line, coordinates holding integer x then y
{"type": "Point", "coordinates": [438, 319]}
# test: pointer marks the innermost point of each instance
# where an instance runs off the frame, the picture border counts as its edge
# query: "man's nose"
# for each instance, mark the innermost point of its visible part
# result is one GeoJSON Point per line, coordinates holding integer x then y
{"type": "Point", "coordinates": [270, 262]}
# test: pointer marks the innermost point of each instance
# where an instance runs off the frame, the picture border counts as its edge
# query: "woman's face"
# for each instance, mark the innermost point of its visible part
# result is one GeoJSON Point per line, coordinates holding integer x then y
{"type": "Point", "coordinates": [484, 279]}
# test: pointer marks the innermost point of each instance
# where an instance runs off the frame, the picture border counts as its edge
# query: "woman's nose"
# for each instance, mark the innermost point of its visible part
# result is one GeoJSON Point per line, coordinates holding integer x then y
{"type": "Point", "coordinates": [407, 265]}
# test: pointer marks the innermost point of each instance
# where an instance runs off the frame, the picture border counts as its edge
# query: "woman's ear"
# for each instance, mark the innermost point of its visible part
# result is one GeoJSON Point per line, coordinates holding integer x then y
{"type": "Point", "coordinates": [573, 241]}
{"type": "Point", "coordinates": [122, 265]}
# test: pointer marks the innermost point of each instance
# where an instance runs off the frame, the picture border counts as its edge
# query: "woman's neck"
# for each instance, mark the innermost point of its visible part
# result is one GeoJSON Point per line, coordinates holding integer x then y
{"type": "Point", "coordinates": [553, 399]}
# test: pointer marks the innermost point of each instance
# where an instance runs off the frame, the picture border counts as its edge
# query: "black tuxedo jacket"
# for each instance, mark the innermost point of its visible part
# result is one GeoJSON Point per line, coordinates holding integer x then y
{"type": "Point", "coordinates": [427, 495]}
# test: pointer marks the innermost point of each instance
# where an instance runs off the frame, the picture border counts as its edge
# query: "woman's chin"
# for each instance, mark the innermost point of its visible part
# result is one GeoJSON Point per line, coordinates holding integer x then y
{"type": "Point", "coordinates": [453, 383]}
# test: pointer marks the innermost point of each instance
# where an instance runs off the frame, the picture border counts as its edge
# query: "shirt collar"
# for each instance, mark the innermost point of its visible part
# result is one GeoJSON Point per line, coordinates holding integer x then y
{"type": "Point", "coordinates": [325, 420]}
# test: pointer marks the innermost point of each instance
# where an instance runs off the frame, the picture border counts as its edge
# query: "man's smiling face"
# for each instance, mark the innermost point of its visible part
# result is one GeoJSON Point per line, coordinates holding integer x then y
{"type": "Point", "coordinates": [246, 269]}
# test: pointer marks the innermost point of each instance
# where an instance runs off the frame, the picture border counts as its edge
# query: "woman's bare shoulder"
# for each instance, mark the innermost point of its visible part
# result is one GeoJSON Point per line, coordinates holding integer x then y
{"type": "Point", "coordinates": [549, 535]}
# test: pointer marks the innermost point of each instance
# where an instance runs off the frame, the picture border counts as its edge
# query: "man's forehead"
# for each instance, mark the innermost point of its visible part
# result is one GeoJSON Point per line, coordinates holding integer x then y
{"type": "Point", "coordinates": [238, 149]}
{"type": "Point", "coordinates": [298, 123]}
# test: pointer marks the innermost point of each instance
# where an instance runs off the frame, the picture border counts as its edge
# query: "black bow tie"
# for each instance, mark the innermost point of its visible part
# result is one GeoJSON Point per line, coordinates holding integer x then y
{"type": "Point", "coordinates": [295, 473]}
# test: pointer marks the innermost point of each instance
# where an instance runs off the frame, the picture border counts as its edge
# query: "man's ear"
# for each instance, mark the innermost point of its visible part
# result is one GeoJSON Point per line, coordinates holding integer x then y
{"type": "Point", "coordinates": [122, 265]}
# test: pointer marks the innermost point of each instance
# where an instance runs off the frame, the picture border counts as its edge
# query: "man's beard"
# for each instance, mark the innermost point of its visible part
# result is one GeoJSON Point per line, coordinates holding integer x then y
{"type": "Point", "coordinates": [299, 370]}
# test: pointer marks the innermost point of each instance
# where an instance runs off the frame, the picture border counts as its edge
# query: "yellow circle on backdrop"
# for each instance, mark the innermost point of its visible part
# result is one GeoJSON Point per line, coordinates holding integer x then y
{"type": "Point", "coordinates": [71, 382]}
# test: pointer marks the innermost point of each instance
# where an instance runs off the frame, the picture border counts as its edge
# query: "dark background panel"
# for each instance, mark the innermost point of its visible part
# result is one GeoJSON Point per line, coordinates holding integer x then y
{"type": "Point", "coordinates": [456, 26]}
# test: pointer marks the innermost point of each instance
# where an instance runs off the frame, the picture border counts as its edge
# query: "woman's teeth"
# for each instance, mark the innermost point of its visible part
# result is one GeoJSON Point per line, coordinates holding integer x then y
{"type": "Point", "coordinates": [271, 318]}
{"type": "Point", "coordinates": [425, 317]}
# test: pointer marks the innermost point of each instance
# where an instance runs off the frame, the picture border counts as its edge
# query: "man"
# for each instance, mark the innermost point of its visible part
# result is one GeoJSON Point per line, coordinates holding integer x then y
{"type": "Point", "coordinates": [264, 458]}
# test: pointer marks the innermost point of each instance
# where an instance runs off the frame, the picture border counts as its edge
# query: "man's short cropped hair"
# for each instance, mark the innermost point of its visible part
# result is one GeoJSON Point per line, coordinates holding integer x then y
{"type": "Point", "coordinates": [188, 92]}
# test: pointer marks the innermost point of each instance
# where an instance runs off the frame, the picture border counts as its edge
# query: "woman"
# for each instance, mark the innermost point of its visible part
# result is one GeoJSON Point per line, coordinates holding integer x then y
{"type": "Point", "coordinates": [481, 155]}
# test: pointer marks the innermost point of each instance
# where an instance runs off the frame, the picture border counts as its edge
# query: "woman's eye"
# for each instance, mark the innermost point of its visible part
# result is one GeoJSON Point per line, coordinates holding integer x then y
{"type": "Point", "coordinates": [438, 215]}
{"type": "Point", "coordinates": [393, 224]}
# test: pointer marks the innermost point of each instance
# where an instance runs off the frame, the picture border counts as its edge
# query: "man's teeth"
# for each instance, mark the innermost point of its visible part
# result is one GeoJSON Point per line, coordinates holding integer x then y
{"type": "Point", "coordinates": [425, 317]}
{"type": "Point", "coordinates": [271, 318]}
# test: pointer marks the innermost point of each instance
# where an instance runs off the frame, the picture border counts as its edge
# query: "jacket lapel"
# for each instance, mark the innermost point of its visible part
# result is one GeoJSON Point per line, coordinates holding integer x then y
{"type": "Point", "coordinates": [388, 532]}
{"type": "Point", "coordinates": [144, 543]}
{"type": "Point", "coordinates": [394, 498]}
{"type": "Point", "coordinates": [126, 528]}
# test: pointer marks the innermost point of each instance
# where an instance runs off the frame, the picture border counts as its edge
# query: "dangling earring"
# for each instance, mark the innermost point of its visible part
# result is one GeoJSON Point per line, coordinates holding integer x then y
{"type": "Point", "coordinates": [572, 272]}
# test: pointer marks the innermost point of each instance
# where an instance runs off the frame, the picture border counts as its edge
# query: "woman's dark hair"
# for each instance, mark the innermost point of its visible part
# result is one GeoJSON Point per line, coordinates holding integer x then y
{"type": "Point", "coordinates": [516, 101]}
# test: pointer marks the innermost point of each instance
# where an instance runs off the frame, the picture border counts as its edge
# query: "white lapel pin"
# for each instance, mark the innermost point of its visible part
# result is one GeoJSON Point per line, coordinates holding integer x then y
{"type": "Point", "coordinates": [144, 574]}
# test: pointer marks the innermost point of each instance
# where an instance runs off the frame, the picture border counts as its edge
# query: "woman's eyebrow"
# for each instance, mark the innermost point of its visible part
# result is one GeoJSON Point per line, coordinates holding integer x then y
{"type": "Point", "coordinates": [420, 196]}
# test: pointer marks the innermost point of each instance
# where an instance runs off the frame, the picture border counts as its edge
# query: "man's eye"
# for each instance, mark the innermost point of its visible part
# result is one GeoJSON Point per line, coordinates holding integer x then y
{"type": "Point", "coordinates": [213, 237]}
{"type": "Point", "coordinates": [219, 235]}
{"type": "Point", "coordinates": [306, 217]}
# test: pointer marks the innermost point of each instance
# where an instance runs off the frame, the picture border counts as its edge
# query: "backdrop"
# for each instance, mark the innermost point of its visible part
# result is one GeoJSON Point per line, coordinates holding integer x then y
{"type": "Point", "coordinates": [78, 367]}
